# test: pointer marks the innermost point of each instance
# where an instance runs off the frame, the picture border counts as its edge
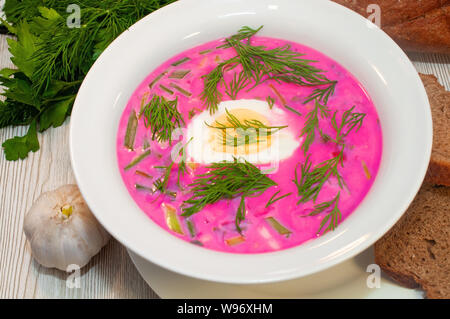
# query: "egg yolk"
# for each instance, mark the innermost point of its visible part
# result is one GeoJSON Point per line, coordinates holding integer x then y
{"type": "Point", "coordinates": [239, 141]}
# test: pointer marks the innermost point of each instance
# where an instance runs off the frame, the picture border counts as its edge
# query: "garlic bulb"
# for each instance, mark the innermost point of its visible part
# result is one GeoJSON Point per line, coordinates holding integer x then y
{"type": "Point", "coordinates": [62, 230]}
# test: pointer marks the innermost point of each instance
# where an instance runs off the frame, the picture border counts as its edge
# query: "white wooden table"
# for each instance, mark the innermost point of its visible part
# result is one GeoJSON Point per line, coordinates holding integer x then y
{"type": "Point", "coordinates": [111, 273]}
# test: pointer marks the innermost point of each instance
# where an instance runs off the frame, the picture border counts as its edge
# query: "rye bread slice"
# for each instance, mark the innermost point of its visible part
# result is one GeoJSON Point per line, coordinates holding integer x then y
{"type": "Point", "coordinates": [415, 252]}
{"type": "Point", "coordinates": [439, 169]}
{"type": "Point", "coordinates": [418, 26]}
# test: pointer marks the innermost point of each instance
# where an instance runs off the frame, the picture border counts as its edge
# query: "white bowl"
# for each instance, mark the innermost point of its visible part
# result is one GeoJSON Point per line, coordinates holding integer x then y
{"type": "Point", "coordinates": [358, 45]}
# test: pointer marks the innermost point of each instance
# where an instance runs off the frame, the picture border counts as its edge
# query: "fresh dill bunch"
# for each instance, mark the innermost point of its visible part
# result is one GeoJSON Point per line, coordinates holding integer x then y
{"type": "Point", "coordinates": [162, 116]}
{"type": "Point", "coordinates": [312, 179]}
{"type": "Point", "coordinates": [52, 59]}
{"type": "Point", "coordinates": [247, 132]}
{"type": "Point", "coordinates": [312, 124]}
{"type": "Point", "coordinates": [226, 180]}
{"type": "Point", "coordinates": [332, 218]}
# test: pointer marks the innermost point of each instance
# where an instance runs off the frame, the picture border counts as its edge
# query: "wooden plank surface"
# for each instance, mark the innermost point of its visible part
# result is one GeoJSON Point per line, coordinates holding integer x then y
{"type": "Point", "coordinates": [110, 274]}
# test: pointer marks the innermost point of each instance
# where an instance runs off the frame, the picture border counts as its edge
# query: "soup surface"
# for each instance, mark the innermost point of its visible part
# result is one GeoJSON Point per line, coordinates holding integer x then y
{"type": "Point", "coordinates": [245, 146]}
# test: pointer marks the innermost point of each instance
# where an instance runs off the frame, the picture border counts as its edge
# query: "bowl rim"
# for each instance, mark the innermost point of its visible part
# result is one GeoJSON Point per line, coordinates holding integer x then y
{"type": "Point", "coordinates": [214, 270]}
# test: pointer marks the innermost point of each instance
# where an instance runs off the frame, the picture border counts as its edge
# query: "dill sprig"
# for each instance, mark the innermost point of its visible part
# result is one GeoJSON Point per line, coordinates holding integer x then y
{"type": "Point", "coordinates": [237, 84]}
{"type": "Point", "coordinates": [275, 199]}
{"type": "Point", "coordinates": [210, 94]}
{"type": "Point", "coordinates": [162, 117]}
{"type": "Point", "coordinates": [226, 180]}
{"type": "Point", "coordinates": [332, 218]}
{"type": "Point", "coordinates": [323, 93]}
{"type": "Point", "coordinates": [312, 124]}
{"type": "Point", "coordinates": [247, 132]}
{"type": "Point", "coordinates": [260, 64]}
{"type": "Point", "coordinates": [350, 121]}
{"type": "Point", "coordinates": [270, 101]}
{"type": "Point", "coordinates": [312, 179]}
{"type": "Point", "coordinates": [245, 33]}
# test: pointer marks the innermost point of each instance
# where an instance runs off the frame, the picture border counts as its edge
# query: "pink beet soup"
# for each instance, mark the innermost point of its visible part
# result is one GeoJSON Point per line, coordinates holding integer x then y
{"type": "Point", "coordinates": [311, 191]}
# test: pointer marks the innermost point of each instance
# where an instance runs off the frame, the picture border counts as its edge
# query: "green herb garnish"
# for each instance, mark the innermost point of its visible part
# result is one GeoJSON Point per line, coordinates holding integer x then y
{"type": "Point", "coordinates": [179, 74]}
{"type": "Point", "coordinates": [140, 187]}
{"type": "Point", "coordinates": [247, 132]}
{"type": "Point", "coordinates": [332, 218]}
{"type": "Point", "coordinates": [181, 61]}
{"type": "Point", "coordinates": [312, 124]}
{"type": "Point", "coordinates": [180, 89]}
{"type": "Point", "coordinates": [161, 183]}
{"type": "Point", "coordinates": [156, 80]}
{"type": "Point", "coordinates": [292, 110]}
{"type": "Point", "coordinates": [226, 180]}
{"type": "Point", "coordinates": [312, 179]}
{"type": "Point", "coordinates": [260, 64]}
{"type": "Point", "coordinates": [270, 101]}
{"type": "Point", "coordinates": [191, 228]}
{"type": "Point", "coordinates": [162, 117]}
{"type": "Point", "coordinates": [278, 227]}
{"type": "Point", "coordinates": [137, 159]}
{"type": "Point", "coordinates": [350, 121]}
{"type": "Point", "coordinates": [165, 88]}
{"type": "Point", "coordinates": [130, 133]}
{"type": "Point", "coordinates": [143, 174]}
{"type": "Point", "coordinates": [182, 168]}
{"type": "Point", "coordinates": [274, 199]}
{"type": "Point", "coordinates": [237, 84]}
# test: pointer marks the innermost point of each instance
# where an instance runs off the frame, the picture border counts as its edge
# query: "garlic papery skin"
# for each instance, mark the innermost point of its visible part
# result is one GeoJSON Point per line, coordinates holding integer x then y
{"type": "Point", "coordinates": [62, 230]}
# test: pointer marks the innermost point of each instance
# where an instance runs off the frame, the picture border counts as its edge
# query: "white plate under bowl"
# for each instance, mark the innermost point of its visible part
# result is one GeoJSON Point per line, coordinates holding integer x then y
{"type": "Point", "coordinates": [380, 65]}
{"type": "Point", "coordinates": [343, 281]}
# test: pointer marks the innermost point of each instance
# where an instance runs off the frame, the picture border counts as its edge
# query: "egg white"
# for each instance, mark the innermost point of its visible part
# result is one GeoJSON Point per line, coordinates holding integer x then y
{"type": "Point", "coordinates": [283, 142]}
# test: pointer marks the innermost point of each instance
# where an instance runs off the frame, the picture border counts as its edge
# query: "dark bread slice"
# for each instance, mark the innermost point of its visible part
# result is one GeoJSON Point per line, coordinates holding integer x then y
{"type": "Point", "coordinates": [421, 26]}
{"type": "Point", "coordinates": [439, 169]}
{"type": "Point", "coordinates": [415, 252]}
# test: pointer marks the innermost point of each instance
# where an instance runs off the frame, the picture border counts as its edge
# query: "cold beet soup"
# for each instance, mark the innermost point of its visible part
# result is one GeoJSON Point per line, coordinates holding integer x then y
{"type": "Point", "coordinates": [249, 144]}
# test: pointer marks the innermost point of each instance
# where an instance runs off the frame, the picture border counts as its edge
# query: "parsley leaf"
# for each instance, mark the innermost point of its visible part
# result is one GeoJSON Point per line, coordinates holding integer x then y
{"type": "Point", "coordinates": [20, 146]}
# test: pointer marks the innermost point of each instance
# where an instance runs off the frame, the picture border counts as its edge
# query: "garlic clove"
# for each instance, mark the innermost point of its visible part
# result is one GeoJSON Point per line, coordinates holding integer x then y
{"type": "Point", "coordinates": [62, 230]}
